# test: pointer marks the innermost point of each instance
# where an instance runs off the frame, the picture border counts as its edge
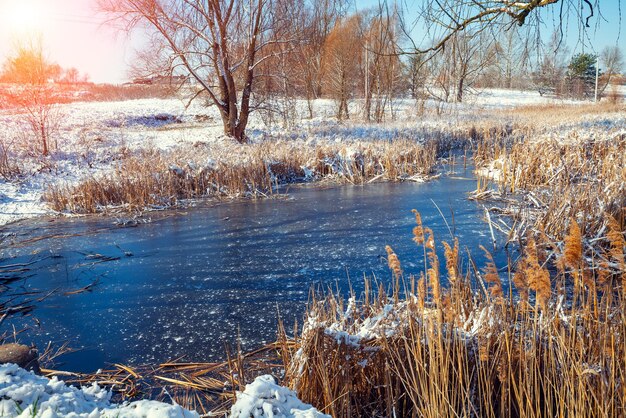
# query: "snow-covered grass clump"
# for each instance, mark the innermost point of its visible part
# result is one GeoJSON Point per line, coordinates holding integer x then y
{"type": "Point", "coordinates": [265, 398]}
{"type": "Point", "coordinates": [24, 394]}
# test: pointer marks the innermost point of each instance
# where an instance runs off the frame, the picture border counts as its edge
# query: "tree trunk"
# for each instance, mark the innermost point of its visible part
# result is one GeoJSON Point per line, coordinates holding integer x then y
{"type": "Point", "coordinates": [309, 100]}
{"type": "Point", "coordinates": [44, 140]}
{"type": "Point", "coordinates": [459, 92]}
{"type": "Point", "coordinates": [235, 131]}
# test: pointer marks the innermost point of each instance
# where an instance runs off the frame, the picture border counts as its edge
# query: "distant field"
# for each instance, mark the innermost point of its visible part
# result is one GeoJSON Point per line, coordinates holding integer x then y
{"type": "Point", "coordinates": [86, 92]}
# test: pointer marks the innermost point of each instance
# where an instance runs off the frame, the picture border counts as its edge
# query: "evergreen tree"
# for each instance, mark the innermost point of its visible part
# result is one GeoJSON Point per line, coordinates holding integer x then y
{"type": "Point", "coordinates": [581, 75]}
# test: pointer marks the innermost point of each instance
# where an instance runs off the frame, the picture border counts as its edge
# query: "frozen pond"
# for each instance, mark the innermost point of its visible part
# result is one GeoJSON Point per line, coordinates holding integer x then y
{"type": "Point", "coordinates": [197, 280]}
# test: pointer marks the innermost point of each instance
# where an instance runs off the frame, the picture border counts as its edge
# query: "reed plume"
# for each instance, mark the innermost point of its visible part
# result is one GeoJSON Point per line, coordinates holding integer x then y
{"type": "Point", "coordinates": [537, 276]}
{"type": "Point", "coordinates": [432, 273]}
{"type": "Point", "coordinates": [573, 251]}
{"type": "Point", "coordinates": [393, 262]}
{"type": "Point", "coordinates": [421, 292]}
{"type": "Point", "coordinates": [492, 278]}
{"type": "Point", "coordinates": [430, 240]}
{"type": "Point", "coordinates": [418, 230]}
{"type": "Point", "coordinates": [520, 280]}
{"type": "Point", "coordinates": [452, 260]}
{"type": "Point", "coordinates": [617, 243]}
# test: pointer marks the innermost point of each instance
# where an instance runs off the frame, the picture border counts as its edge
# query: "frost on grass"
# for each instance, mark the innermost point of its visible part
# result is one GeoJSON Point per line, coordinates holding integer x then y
{"type": "Point", "coordinates": [95, 137]}
{"type": "Point", "coordinates": [264, 398]}
{"type": "Point", "coordinates": [361, 324]}
{"type": "Point", "coordinates": [24, 394]}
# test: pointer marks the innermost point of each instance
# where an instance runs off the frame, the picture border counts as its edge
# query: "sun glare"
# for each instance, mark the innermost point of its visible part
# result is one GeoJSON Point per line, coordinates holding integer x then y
{"type": "Point", "coordinates": [23, 16]}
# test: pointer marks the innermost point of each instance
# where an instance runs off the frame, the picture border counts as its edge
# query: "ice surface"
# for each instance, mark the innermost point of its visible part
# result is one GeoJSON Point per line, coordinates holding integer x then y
{"type": "Point", "coordinates": [217, 274]}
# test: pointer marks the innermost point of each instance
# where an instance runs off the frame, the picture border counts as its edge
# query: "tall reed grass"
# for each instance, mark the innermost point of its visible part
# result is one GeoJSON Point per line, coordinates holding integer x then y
{"type": "Point", "coordinates": [569, 173]}
{"type": "Point", "coordinates": [153, 178]}
{"type": "Point", "coordinates": [555, 349]}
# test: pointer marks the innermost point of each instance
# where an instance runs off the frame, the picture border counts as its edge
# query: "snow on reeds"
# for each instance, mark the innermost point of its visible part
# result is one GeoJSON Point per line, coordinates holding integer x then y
{"type": "Point", "coordinates": [154, 178]}
{"type": "Point", "coordinates": [575, 172]}
{"type": "Point", "coordinates": [552, 350]}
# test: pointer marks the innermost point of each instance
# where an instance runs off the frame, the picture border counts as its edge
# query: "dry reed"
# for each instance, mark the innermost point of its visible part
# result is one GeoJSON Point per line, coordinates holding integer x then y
{"type": "Point", "coordinates": [153, 178]}
{"type": "Point", "coordinates": [478, 355]}
{"type": "Point", "coordinates": [575, 181]}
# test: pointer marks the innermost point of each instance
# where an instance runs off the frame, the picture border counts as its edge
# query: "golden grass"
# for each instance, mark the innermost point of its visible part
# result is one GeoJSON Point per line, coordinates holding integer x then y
{"type": "Point", "coordinates": [542, 115]}
{"type": "Point", "coordinates": [476, 354]}
{"type": "Point", "coordinates": [578, 179]}
{"type": "Point", "coordinates": [153, 178]}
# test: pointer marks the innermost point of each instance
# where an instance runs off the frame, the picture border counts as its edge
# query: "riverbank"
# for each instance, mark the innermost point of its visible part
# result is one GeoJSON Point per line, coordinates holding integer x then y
{"type": "Point", "coordinates": [96, 144]}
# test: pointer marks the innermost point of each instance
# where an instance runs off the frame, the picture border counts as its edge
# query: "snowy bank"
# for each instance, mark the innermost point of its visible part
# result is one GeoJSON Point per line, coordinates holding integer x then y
{"type": "Point", "coordinates": [264, 398]}
{"type": "Point", "coordinates": [24, 394]}
{"type": "Point", "coordinates": [93, 138]}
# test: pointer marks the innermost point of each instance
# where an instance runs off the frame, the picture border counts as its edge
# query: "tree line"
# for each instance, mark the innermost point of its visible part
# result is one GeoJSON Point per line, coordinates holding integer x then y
{"type": "Point", "coordinates": [242, 56]}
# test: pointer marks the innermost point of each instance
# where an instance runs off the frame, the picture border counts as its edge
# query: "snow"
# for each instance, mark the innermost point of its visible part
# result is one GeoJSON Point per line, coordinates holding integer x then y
{"type": "Point", "coordinates": [493, 170]}
{"type": "Point", "coordinates": [352, 329]}
{"type": "Point", "coordinates": [24, 394]}
{"type": "Point", "coordinates": [264, 398]}
{"type": "Point", "coordinates": [20, 200]}
{"type": "Point", "coordinates": [356, 327]}
{"type": "Point", "coordinates": [92, 136]}
{"type": "Point", "coordinates": [504, 98]}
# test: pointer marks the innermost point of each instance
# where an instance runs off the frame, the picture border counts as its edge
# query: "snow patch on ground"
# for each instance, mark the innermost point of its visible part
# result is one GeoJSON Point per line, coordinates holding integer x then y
{"type": "Point", "coordinates": [19, 201]}
{"type": "Point", "coordinates": [264, 398]}
{"type": "Point", "coordinates": [26, 395]}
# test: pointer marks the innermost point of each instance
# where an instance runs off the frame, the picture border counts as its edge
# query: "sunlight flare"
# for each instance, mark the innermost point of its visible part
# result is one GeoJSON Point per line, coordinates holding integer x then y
{"type": "Point", "coordinates": [23, 16]}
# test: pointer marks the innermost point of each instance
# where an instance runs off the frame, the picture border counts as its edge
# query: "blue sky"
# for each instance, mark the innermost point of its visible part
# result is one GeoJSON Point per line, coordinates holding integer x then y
{"type": "Point", "coordinates": [74, 34]}
{"type": "Point", "coordinates": [605, 26]}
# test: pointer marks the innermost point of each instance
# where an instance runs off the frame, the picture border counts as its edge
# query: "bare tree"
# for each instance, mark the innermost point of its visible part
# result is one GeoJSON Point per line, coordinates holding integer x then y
{"type": "Point", "coordinates": [72, 76]}
{"type": "Point", "coordinates": [549, 76]}
{"type": "Point", "coordinates": [510, 61]}
{"type": "Point", "coordinates": [31, 71]}
{"type": "Point", "coordinates": [342, 55]}
{"type": "Point", "coordinates": [444, 18]}
{"type": "Point", "coordinates": [319, 19]}
{"type": "Point", "coordinates": [382, 66]}
{"type": "Point", "coordinates": [612, 61]}
{"type": "Point", "coordinates": [417, 76]}
{"type": "Point", "coordinates": [27, 64]}
{"type": "Point", "coordinates": [457, 68]}
{"type": "Point", "coordinates": [217, 43]}
{"type": "Point", "coordinates": [471, 54]}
